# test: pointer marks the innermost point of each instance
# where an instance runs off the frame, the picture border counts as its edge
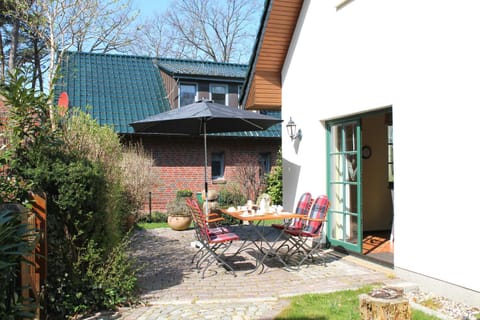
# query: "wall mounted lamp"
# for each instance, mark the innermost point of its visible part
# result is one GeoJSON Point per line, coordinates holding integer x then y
{"type": "Point", "coordinates": [292, 129]}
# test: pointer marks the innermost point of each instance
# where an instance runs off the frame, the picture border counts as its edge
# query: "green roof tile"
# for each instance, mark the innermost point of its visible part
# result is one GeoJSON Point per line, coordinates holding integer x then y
{"type": "Point", "coordinates": [274, 131]}
{"type": "Point", "coordinates": [202, 68]}
{"type": "Point", "coordinates": [120, 89]}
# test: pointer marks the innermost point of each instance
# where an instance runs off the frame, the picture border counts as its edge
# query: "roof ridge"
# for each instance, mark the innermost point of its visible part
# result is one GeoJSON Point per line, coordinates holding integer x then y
{"type": "Point", "coordinates": [154, 58]}
{"type": "Point", "coordinates": [201, 61]}
{"type": "Point", "coordinates": [107, 54]}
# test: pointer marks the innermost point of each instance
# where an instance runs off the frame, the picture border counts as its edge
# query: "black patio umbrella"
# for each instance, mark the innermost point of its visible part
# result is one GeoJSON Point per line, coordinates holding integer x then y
{"type": "Point", "coordinates": [202, 118]}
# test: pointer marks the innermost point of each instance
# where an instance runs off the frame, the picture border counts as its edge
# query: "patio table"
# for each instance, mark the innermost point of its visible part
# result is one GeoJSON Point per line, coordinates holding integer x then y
{"type": "Point", "coordinates": [256, 221]}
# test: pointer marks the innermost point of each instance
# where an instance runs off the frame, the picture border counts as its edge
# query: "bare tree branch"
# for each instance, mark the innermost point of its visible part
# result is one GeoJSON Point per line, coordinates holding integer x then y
{"type": "Point", "coordinates": [83, 25]}
{"type": "Point", "coordinates": [216, 30]}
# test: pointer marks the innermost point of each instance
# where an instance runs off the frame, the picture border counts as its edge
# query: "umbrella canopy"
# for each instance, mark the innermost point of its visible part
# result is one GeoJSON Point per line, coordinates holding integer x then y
{"type": "Point", "coordinates": [201, 118]}
{"type": "Point", "coordinates": [189, 119]}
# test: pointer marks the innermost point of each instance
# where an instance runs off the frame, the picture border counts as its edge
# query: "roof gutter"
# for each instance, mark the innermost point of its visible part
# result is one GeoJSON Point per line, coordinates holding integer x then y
{"type": "Point", "coordinates": [256, 52]}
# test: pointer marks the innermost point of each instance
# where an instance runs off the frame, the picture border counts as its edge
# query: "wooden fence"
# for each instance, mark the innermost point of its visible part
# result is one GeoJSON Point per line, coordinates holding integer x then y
{"type": "Point", "coordinates": [34, 271]}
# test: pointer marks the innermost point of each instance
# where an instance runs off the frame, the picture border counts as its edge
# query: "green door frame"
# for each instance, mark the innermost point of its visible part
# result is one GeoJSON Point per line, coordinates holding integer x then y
{"type": "Point", "coordinates": [344, 184]}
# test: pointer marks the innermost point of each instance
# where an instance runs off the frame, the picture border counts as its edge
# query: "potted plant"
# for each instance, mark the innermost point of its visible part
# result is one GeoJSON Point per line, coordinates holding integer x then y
{"type": "Point", "coordinates": [178, 212]}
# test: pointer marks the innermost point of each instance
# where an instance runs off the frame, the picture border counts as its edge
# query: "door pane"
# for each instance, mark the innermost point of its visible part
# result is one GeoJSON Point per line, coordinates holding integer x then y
{"type": "Point", "coordinates": [336, 168]}
{"type": "Point", "coordinates": [350, 137]}
{"type": "Point", "coordinates": [344, 185]}
{"type": "Point", "coordinates": [344, 228]}
{"type": "Point", "coordinates": [351, 233]}
{"type": "Point", "coordinates": [336, 139]}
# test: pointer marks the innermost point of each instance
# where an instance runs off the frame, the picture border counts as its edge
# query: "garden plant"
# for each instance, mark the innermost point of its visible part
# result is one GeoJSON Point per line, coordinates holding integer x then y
{"type": "Point", "coordinates": [78, 163]}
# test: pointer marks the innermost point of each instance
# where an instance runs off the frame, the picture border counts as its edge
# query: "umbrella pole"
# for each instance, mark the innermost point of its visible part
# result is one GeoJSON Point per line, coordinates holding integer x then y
{"type": "Point", "coordinates": [205, 167]}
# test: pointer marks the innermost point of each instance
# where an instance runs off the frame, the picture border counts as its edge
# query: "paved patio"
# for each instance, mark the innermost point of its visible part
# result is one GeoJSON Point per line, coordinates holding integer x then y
{"type": "Point", "coordinates": [173, 289]}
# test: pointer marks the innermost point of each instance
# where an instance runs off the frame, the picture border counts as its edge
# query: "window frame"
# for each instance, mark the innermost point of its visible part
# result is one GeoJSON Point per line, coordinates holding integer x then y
{"type": "Point", "coordinates": [220, 157]}
{"type": "Point", "coordinates": [195, 85]}
{"type": "Point", "coordinates": [210, 92]}
{"type": "Point", "coordinates": [265, 161]}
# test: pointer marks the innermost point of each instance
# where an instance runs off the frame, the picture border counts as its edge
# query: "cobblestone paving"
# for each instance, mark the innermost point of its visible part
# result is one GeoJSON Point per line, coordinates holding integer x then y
{"type": "Point", "coordinates": [173, 289]}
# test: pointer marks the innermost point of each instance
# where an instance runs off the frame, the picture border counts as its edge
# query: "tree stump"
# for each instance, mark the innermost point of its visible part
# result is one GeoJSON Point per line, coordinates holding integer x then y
{"type": "Point", "coordinates": [385, 304]}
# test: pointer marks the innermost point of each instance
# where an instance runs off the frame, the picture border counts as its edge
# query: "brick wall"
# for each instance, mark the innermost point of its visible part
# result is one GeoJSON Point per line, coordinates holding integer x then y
{"type": "Point", "coordinates": [179, 163]}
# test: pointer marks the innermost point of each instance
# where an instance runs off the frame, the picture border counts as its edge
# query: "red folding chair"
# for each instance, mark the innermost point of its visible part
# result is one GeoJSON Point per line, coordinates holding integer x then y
{"type": "Point", "coordinates": [303, 207]}
{"type": "Point", "coordinates": [214, 242]}
{"type": "Point", "coordinates": [311, 230]}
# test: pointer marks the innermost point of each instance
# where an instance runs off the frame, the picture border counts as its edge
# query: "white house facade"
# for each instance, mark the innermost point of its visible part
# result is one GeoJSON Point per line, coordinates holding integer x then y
{"type": "Point", "coordinates": [385, 96]}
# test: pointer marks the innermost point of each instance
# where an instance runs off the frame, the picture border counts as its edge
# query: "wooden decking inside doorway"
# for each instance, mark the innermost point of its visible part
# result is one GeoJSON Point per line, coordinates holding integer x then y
{"type": "Point", "coordinates": [378, 246]}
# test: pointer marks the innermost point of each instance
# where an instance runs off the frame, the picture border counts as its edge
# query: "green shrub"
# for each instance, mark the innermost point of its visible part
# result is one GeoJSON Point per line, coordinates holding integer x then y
{"type": "Point", "coordinates": [184, 193]}
{"type": "Point", "coordinates": [98, 281]}
{"type": "Point", "coordinates": [159, 217]}
{"type": "Point", "coordinates": [112, 276]}
{"type": "Point", "coordinates": [154, 217]}
{"type": "Point", "coordinates": [135, 177]}
{"type": "Point", "coordinates": [274, 182]}
{"type": "Point", "coordinates": [179, 208]}
{"type": "Point", "coordinates": [231, 196]}
{"type": "Point", "coordinates": [12, 189]}
{"type": "Point", "coordinates": [85, 138]}
{"type": "Point", "coordinates": [77, 163]}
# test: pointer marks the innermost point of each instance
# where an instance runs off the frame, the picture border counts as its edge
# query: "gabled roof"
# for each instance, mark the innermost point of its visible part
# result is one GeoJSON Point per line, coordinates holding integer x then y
{"type": "Point", "coordinates": [178, 68]}
{"type": "Point", "coordinates": [119, 89]}
{"type": "Point", "coordinates": [263, 87]}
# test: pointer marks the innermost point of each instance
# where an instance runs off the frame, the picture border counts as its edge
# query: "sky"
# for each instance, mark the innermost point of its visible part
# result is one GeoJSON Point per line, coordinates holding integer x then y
{"type": "Point", "coordinates": [149, 7]}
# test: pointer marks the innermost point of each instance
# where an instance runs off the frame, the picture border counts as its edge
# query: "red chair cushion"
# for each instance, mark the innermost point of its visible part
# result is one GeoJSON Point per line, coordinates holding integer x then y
{"type": "Point", "coordinates": [224, 237]}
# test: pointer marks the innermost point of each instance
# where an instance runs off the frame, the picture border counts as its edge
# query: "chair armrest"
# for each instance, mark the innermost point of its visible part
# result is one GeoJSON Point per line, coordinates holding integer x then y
{"type": "Point", "coordinates": [314, 219]}
{"type": "Point", "coordinates": [215, 219]}
{"type": "Point", "coordinates": [213, 215]}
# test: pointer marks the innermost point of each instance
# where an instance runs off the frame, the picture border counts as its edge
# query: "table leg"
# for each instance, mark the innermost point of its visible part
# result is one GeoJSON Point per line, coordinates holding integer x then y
{"type": "Point", "coordinates": [265, 247]}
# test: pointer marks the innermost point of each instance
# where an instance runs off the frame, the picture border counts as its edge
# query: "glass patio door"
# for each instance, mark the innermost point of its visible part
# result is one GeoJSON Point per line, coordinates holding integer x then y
{"type": "Point", "coordinates": [344, 185]}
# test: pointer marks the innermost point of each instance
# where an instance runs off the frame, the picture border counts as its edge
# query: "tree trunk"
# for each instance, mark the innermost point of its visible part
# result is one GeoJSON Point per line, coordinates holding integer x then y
{"type": "Point", "coordinates": [2, 59]}
{"type": "Point", "coordinates": [13, 50]}
{"type": "Point", "coordinates": [37, 68]}
{"type": "Point", "coordinates": [382, 305]}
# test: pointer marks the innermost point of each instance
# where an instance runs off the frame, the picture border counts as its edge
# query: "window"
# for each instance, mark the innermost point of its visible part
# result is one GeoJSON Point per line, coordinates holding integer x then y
{"type": "Point", "coordinates": [217, 165]}
{"type": "Point", "coordinates": [187, 94]}
{"type": "Point", "coordinates": [218, 93]}
{"type": "Point", "coordinates": [265, 163]}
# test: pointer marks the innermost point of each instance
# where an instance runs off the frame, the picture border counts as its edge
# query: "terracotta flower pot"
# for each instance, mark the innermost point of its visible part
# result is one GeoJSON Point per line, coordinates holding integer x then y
{"type": "Point", "coordinates": [179, 223]}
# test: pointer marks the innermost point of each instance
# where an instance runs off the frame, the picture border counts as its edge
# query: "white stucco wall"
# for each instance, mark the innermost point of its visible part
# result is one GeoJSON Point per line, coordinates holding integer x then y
{"type": "Point", "coordinates": [423, 59]}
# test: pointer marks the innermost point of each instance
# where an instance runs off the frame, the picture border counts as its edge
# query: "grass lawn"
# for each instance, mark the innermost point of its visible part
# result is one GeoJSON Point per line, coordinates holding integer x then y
{"type": "Point", "coordinates": [342, 305]}
{"type": "Point", "coordinates": [155, 225]}
{"type": "Point", "coordinates": [152, 225]}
